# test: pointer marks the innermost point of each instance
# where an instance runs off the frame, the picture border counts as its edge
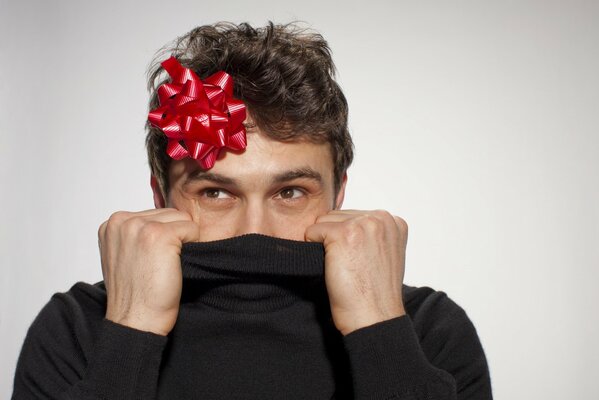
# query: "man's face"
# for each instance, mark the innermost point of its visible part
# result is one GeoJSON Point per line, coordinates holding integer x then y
{"type": "Point", "coordinates": [273, 188]}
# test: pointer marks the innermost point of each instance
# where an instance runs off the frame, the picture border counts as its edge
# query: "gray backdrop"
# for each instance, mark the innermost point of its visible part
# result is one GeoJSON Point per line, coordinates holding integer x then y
{"type": "Point", "coordinates": [476, 121]}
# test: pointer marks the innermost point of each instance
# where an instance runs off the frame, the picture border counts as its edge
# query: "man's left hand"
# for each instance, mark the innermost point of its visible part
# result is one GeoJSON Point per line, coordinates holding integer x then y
{"type": "Point", "coordinates": [364, 265]}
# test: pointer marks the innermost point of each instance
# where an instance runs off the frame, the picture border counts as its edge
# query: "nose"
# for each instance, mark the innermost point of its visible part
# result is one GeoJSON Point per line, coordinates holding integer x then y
{"type": "Point", "coordinates": [255, 218]}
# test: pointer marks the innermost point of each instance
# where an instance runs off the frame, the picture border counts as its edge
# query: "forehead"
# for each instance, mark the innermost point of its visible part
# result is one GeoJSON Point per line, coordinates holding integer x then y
{"type": "Point", "coordinates": [263, 158]}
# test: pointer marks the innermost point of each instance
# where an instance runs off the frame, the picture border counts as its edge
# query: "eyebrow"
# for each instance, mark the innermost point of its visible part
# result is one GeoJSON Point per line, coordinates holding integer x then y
{"type": "Point", "coordinates": [305, 173]}
{"type": "Point", "coordinates": [286, 176]}
{"type": "Point", "coordinates": [201, 175]}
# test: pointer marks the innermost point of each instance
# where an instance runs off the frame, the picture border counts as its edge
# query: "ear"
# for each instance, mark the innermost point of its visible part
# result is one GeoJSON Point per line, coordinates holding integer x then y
{"type": "Point", "coordinates": [341, 193]}
{"type": "Point", "coordinates": [158, 197]}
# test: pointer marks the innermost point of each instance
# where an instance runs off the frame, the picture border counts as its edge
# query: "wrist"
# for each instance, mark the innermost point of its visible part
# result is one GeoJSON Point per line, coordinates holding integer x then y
{"type": "Point", "coordinates": [145, 321]}
{"type": "Point", "coordinates": [355, 320]}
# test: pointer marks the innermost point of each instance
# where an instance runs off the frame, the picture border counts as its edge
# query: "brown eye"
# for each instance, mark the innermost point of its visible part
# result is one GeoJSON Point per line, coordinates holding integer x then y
{"type": "Point", "coordinates": [212, 193]}
{"type": "Point", "coordinates": [215, 194]}
{"type": "Point", "coordinates": [291, 193]}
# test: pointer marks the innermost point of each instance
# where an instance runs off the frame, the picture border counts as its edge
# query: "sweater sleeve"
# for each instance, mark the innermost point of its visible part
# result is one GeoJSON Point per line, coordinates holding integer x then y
{"type": "Point", "coordinates": [441, 359]}
{"type": "Point", "coordinates": [387, 362]}
{"type": "Point", "coordinates": [69, 355]}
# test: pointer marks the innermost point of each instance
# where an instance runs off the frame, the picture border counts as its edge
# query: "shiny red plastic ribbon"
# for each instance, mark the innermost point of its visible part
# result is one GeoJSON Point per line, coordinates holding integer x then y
{"type": "Point", "coordinates": [199, 118]}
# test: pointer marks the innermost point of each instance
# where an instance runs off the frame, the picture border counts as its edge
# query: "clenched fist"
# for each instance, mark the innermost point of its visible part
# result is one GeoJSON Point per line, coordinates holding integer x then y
{"type": "Point", "coordinates": [141, 265]}
{"type": "Point", "coordinates": [364, 265]}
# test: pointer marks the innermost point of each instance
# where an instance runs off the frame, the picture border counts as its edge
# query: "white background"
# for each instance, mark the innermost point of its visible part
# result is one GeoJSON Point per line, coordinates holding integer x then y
{"type": "Point", "coordinates": [476, 121]}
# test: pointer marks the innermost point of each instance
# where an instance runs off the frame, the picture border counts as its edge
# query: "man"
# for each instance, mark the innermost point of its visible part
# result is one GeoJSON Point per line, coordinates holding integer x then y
{"type": "Point", "coordinates": [249, 280]}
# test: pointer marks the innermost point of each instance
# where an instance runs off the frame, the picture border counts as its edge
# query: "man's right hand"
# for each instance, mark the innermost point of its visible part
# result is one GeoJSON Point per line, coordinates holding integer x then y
{"type": "Point", "coordinates": [141, 265]}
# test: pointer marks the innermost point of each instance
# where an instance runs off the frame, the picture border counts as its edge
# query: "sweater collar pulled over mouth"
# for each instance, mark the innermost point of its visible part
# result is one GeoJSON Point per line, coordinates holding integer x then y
{"type": "Point", "coordinates": [252, 273]}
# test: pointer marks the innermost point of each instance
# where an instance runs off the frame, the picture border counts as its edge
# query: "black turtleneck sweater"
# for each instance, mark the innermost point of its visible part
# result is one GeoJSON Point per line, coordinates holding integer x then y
{"type": "Point", "coordinates": [254, 323]}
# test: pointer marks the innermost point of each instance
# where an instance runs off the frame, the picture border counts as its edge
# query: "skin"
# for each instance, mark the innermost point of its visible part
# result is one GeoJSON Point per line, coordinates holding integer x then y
{"type": "Point", "coordinates": [281, 189]}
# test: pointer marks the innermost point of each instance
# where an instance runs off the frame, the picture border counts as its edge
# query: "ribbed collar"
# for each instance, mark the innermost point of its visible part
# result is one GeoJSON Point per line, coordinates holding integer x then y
{"type": "Point", "coordinates": [252, 273]}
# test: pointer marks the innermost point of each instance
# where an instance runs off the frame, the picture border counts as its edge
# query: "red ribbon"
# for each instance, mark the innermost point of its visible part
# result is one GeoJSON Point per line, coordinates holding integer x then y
{"type": "Point", "coordinates": [199, 118]}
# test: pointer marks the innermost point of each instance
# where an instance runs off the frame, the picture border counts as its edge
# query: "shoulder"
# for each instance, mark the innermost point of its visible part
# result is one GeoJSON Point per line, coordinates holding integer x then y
{"type": "Point", "coordinates": [82, 294]}
{"type": "Point", "coordinates": [430, 309]}
{"type": "Point", "coordinates": [438, 321]}
{"type": "Point", "coordinates": [81, 305]}
{"type": "Point", "coordinates": [61, 337]}
{"type": "Point", "coordinates": [423, 299]}
{"type": "Point", "coordinates": [447, 336]}
{"type": "Point", "coordinates": [71, 313]}
{"type": "Point", "coordinates": [68, 322]}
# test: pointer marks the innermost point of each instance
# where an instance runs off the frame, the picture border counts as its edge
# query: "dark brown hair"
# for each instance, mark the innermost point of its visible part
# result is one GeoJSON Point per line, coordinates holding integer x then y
{"type": "Point", "coordinates": [283, 73]}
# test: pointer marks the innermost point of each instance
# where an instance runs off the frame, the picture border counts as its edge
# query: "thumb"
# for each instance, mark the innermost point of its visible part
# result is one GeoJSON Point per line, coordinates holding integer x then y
{"type": "Point", "coordinates": [186, 231]}
{"type": "Point", "coordinates": [319, 232]}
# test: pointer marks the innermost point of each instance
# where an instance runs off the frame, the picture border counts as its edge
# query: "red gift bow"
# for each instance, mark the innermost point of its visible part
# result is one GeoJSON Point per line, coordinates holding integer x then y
{"type": "Point", "coordinates": [202, 115]}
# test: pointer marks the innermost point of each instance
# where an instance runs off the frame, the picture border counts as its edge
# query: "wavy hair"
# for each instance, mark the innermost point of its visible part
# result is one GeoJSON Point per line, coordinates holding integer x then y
{"type": "Point", "coordinates": [283, 73]}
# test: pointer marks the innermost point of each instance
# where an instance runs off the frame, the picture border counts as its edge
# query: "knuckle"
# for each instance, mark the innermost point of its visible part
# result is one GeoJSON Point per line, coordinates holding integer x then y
{"type": "Point", "coordinates": [401, 224]}
{"type": "Point", "coordinates": [184, 216]}
{"type": "Point", "coordinates": [320, 218]}
{"type": "Point", "coordinates": [102, 230]}
{"type": "Point", "coordinates": [150, 231]}
{"type": "Point", "coordinates": [386, 217]}
{"type": "Point", "coordinates": [176, 214]}
{"type": "Point", "coordinates": [382, 214]}
{"type": "Point", "coordinates": [356, 230]}
{"type": "Point", "coordinates": [371, 223]}
{"type": "Point", "coordinates": [115, 220]}
{"type": "Point", "coordinates": [118, 216]}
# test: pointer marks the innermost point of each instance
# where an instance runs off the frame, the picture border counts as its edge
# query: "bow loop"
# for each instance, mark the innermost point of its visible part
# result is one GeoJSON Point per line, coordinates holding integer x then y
{"type": "Point", "coordinates": [198, 118]}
